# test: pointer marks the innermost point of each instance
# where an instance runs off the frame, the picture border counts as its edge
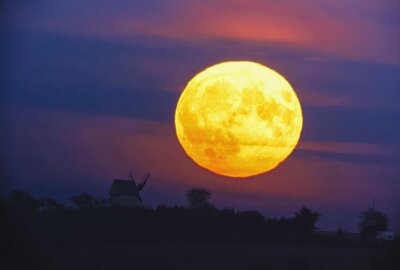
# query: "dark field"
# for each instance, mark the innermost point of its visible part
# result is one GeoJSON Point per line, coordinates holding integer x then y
{"type": "Point", "coordinates": [219, 256]}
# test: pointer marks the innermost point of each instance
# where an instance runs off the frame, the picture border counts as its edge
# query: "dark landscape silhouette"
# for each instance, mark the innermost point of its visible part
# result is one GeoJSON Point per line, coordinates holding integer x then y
{"type": "Point", "coordinates": [44, 234]}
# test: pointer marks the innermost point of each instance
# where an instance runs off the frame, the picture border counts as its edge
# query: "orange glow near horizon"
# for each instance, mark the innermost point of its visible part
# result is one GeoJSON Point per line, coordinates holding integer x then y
{"type": "Point", "coordinates": [238, 119]}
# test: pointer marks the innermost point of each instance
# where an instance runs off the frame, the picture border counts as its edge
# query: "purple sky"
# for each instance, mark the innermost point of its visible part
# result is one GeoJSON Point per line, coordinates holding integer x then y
{"type": "Point", "coordinates": [90, 89]}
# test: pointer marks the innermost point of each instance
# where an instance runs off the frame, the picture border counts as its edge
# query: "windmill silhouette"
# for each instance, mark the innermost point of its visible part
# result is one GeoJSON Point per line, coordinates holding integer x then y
{"type": "Point", "coordinates": [126, 193]}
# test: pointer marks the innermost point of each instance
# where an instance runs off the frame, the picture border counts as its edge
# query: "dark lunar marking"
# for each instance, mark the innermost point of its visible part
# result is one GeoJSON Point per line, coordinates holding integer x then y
{"type": "Point", "coordinates": [268, 110]}
{"type": "Point", "coordinates": [278, 132]}
{"type": "Point", "coordinates": [287, 96]}
{"type": "Point", "coordinates": [209, 152]}
{"type": "Point", "coordinates": [252, 97]}
{"type": "Point", "coordinates": [288, 116]}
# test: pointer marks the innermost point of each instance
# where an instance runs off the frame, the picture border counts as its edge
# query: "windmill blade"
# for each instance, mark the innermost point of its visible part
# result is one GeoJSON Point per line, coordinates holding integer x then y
{"type": "Point", "coordinates": [145, 177]}
{"type": "Point", "coordinates": [140, 200]}
{"type": "Point", "coordinates": [131, 177]}
{"type": "Point", "coordinates": [141, 185]}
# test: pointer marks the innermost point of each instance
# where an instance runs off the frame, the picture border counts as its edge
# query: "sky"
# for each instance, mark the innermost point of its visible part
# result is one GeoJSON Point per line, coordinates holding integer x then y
{"type": "Point", "coordinates": [89, 90]}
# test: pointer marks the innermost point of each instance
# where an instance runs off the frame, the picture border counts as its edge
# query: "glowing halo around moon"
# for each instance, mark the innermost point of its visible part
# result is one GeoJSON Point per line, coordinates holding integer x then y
{"type": "Point", "coordinates": [238, 119]}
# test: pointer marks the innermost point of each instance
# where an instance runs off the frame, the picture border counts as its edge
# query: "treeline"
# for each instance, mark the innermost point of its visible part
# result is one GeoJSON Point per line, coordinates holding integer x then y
{"type": "Point", "coordinates": [92, 221]}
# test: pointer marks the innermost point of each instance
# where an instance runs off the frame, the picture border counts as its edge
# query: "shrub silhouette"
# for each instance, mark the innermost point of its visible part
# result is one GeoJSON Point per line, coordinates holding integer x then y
{"type": "Point", "coordinates": [49, 204]}
{"type": "Point", "coordinates": [83, 201]}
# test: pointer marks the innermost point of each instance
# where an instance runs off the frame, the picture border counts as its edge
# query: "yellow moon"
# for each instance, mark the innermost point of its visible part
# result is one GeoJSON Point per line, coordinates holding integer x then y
{"type": "Point", "coordinates": [238, 119]}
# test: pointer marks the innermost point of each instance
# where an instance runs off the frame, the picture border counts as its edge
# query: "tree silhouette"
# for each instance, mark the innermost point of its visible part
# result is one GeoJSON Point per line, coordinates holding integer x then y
{"type": "Point", "coordinates": [198, 198]}
{"type": "Point", "coordinates": [372, 221]}
{"type": "Point", "coordinates": [49, 204]}
{"type": "Point", "coordinates": [83, 201]}
{"type": "Point", "coordinates": [23, 202]}
{"type": "Point", "coordinates": [306, 220]}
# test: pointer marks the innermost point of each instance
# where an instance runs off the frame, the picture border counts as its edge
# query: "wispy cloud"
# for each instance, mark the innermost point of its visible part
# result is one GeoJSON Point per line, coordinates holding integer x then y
{"type": "Point", "coordinates": [347, 29]}
{"type": "Point", "coordinates": [351, 148]}
{"type": "Point", "coordinates": [324, 100]}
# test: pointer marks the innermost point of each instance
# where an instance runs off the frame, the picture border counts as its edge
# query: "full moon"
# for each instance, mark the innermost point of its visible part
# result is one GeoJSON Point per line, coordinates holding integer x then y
{"type": "Point", "coordinates": [238, 119]}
